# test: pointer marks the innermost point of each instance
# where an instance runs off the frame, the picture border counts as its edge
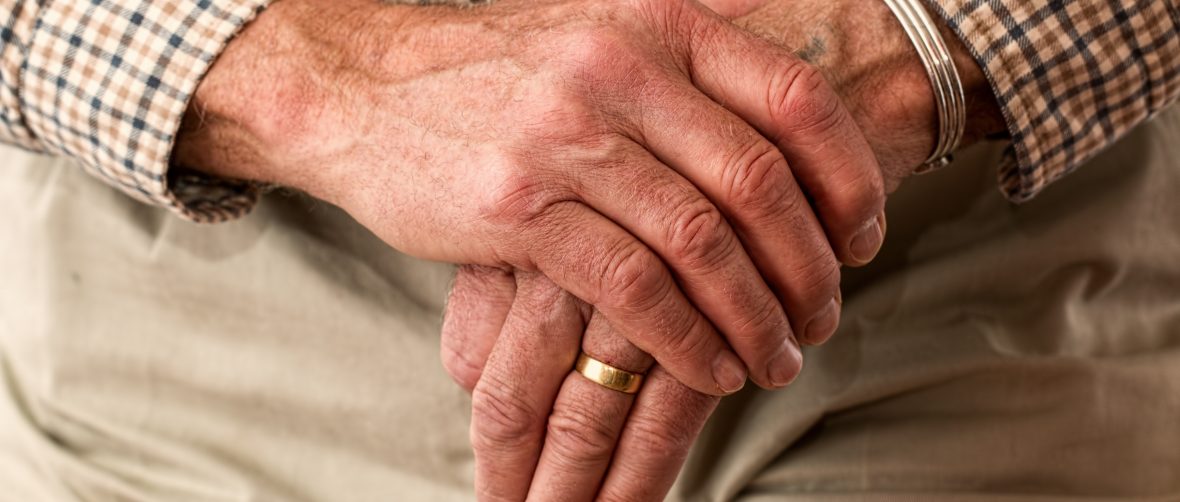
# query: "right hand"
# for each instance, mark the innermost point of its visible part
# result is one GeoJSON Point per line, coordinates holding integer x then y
{"type": "Point", "coordinates": [620, 148]}
{"type": "Point", "coordinates": [540, 432]}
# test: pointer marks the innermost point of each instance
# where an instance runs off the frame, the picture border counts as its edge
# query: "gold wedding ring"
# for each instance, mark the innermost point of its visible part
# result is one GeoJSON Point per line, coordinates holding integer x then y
{"type": "Point", "coordinates": [608, 376]}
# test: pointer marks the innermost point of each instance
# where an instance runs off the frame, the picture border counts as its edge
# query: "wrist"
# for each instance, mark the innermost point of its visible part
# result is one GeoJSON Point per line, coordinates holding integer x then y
{"type": "Point", "coordinates": [222, 130]}
{"type": "Point", "coordinates": [894, 95]}
{"type": "Point", "coordinates": [864, 52]}
{"type": "Point", "coordinates": [276, 97]}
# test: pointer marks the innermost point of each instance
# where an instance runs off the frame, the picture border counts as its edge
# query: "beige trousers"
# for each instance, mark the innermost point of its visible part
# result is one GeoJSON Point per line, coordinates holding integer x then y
{"type": "Point", "coordinates": [993, 352]}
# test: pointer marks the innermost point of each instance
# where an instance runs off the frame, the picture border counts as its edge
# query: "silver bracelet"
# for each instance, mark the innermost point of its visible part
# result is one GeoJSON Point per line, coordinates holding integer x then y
{"type": "Point", "coordinates": [944, 78]}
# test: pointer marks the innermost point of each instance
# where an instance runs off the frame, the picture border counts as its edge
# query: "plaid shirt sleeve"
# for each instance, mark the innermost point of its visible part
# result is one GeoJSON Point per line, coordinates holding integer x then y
{"type": "Point", "coordinates": [1071, 76]}
{"type": "Point", "coordinates": [106, 82]}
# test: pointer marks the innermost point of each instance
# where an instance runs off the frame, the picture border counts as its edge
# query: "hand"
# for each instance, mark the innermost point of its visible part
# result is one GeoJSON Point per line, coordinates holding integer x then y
{"type": "Point", "coordinates": [539, 430]}
{"type": "Point", "coordinates": [619, 148]}
{"type": "Point", "coordinates": [902, 134]}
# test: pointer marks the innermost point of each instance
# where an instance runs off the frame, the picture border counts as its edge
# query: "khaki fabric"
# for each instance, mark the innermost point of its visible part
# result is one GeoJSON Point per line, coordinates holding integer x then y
{"type": "Point", "coordinates": [286, 356]}
{"type": "Point", "coordinates": [993, 352]}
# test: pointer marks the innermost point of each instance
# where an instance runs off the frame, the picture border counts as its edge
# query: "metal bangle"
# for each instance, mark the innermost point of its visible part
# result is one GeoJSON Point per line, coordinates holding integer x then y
{"type": "Point", "coordinates": [949, 97]}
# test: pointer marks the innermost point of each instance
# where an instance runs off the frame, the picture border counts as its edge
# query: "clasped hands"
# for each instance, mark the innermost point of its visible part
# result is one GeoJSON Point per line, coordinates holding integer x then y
{"type": "Point", "coordinates": [642, 180]}
{"type": "Point", "coordinates": [543, 432]}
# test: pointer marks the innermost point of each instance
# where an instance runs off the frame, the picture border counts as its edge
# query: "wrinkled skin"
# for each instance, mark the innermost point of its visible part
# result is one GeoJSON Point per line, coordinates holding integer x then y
{"type": "Point", "coordinates": [606, 445]}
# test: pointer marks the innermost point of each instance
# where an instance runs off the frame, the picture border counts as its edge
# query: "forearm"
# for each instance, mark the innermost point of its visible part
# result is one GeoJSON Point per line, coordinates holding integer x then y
{"type": "Point", "coordinates": [283, 98]}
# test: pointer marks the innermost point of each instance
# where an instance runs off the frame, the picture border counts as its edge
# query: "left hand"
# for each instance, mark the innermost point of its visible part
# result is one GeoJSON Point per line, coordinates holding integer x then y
{"type": "Point", "coordinates": [543, 432]}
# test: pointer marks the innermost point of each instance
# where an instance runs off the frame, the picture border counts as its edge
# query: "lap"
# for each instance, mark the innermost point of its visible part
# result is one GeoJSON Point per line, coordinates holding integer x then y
{"type": "Point", "coordinates": [993, 352]}
{"type": "Point", "coordinates": [1030, 351]}
{"type": "Point", "coordinates": [286, 356]}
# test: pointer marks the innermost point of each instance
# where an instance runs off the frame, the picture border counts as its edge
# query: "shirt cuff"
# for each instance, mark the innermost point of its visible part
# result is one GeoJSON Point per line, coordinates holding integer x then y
{"type": "Point", "coordinates": [1070, 77]}
{"type": "Point", "coordinates": [107, 83]}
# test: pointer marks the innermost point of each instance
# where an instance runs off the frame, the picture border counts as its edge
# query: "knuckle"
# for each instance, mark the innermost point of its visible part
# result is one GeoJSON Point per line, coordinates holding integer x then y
{"type": "Point", "coordinates": [860, 198]}
{"type": "Point", "coordinates": [686, 346]}
{"type": "Point", "coordinates": [668, 438]}
{"type": "Point", "coordinates": [541, 299]}
{"type": "Point", "coordinates": [865, 190]}
{"type": "Point", "coordinates": [522, 197]}
{"type": "Point", "coordinates": [563, 121]}
{"type": "Point", "coordinates": [610, 154]}
{"type": "Point", "coordinates": [578, 437]}
{"type": "Point", "coordinates": [793, 205]}
{"type": "Point", "coordinates": [500, 419]}
{"type": "Point", "coordinates": [673, 24]}
{"type": "Point", "coordinates": [873, 190]}
{"type": "Point", "coordinates": [817, 279]}
{"type": "Point", "coordinates": [801, 99]}
{"type": "Point", "coordinates": [604, 59]}
{"type": "Point", "coordinates": [679, 18]}
{"type": "Point", "coordinates": [756, 177]}
{"type": "Point", "coordinates": [461, 369]}
{"type": "Point", "coordinates": [699, 237]}
{"type": "Point", "coordinates": [633, 277]}
{"type": "Point", "coordinates": [850, 192]}
{"type": "Point", "coordinates": [766, 316]}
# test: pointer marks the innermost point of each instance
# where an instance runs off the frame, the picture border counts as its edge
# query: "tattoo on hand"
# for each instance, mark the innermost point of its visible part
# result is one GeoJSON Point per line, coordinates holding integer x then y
{"type": "Point", "coordinates": [816, 47]}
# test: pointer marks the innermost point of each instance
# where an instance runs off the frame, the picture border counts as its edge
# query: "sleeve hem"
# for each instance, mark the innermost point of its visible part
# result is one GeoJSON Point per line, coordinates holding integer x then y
{"type": "Point", "coordinates": [108, 83]}
{"type": "Point", "coordinates": [1071, 78]}
{"type": "Point", "coordinates": [198, 197]}
{"type": "Point", "coordinates": [1018, 178]}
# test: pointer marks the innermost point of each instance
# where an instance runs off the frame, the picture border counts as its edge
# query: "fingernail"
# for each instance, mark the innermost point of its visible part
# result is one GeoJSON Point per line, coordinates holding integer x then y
{"type": "Point", "coordinates": [785, 366]}
{"type": "Point", "coordinates": [824, 324]}
{"type": "Point", "coordinates": [729, 373]}
{"type": "Point", "coordinates": [868, 240]}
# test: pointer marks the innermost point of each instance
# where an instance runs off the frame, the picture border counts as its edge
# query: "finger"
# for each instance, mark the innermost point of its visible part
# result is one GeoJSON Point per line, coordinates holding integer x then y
{"type": "Point", "coordinates": [752, 184]}
{"type": "Point", "coordinates": [656, 440]}
{"type": "Point", "coordinates": [671, 216]}
{"type": "Point", "coordinates": [512, 400]}
{"type": "Point", "coordinates": [586, 421]}
{"type": "Point", "coordinates": [477, 306]}
{"type": "Point", "coordinates": [792, 103]}
{"type": "Point", "coordinates": [611, 270]}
